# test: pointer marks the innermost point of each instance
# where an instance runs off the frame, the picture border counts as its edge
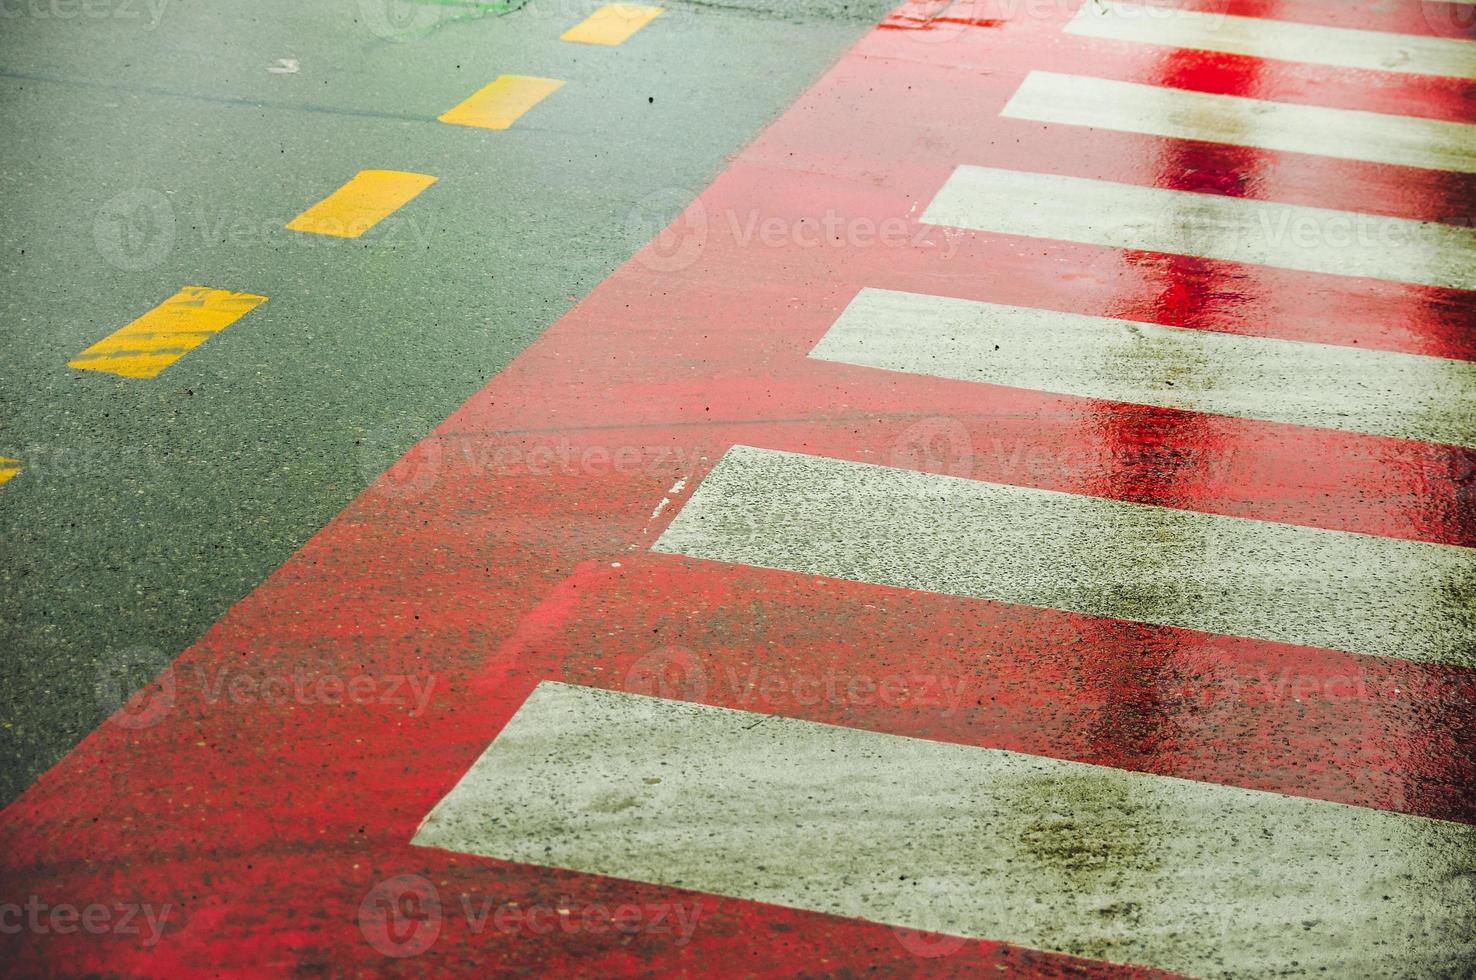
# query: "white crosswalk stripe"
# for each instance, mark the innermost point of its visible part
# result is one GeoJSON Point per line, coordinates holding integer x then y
{"type": "Point", "coordinates": [1154, 110]}
{"type": "Point", "coordinates": [1179, 27]}
{"type": "Point", "coordinates": [1355, 592]}
{"type": "Point", "coordinates": [1212, 226]}
{"type": "Point", "coordinates": [1113, 865]}
{"type": "Point", "coordinates": [1122, 866]}
{"type": "Point", "coordinates": [1402, 395]}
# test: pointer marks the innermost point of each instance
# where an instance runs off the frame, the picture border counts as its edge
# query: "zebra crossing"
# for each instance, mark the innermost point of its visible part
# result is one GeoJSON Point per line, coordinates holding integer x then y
{"type": "Point", "coordinates": [1269, 38]}
{"type": "Point", "coordinates": [1210, 226]}
{"type": "Point", "coordinates": [1405, 396]}
{"type": "Point", "coordinates": [1060, 856]}
{"type": "Point", "coordinates": [1106, 864]}
{"type": "Point", "coordinates": [1348, 134]}
{"type": "Point", "coordinates": [1110, 558]}
{"type": "Point", "coordinates": [1003, 525]}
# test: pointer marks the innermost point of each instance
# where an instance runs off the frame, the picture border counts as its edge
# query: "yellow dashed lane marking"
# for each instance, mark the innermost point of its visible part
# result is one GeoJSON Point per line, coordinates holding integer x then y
{"type": "Point", "coordinates": [365, 201]}
{"type": "Point", "coordinates": [166, 333]}
{"type": "Point", "coordinates": [612, 24]}
{"type": "Point", "coordinates": [9, 468]}
{"type": "Point", "coordinates": [500, 104]}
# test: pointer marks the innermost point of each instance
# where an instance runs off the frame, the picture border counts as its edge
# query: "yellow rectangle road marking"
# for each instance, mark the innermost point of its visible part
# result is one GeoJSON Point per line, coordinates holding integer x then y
{"type": "Point", "coordinates": [9, 468]}
{"type": "Point", "coordinates": [614, 23]}
{"type": "Point", "coordinates": [166, 333]}
{"type": "Point", "coordinates": [502, 103]}
{"type": "Point", "coordinates": [365, 201]}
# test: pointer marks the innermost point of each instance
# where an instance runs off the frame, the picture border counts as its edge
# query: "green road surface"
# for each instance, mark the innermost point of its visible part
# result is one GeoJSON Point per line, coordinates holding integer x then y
{"type": "Point", "coordinates": [150, 145]}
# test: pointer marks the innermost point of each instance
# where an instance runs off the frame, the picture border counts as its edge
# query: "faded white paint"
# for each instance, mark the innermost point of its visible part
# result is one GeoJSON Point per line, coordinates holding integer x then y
{"type": "Point", "coordinates": [1213, 226]}
{"type": "Point", "coordinates": [1402, 395]}
{"type": "Point", "coordinates": [1156, 110]}
{"type": "Point", "coordinates": [1282, 40]}
{"type": "Point", "coordinates": [1128, 867]}
{"type": "Point", "coordinates": [1230, 575]}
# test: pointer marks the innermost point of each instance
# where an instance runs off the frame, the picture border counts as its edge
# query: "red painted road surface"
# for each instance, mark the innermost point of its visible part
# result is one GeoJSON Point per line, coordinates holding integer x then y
{"type": "Point", "coordinates": [511, 545]}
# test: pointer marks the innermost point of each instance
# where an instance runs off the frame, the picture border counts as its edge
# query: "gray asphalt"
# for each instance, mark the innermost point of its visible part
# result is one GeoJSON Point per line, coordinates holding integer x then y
{"type": "Point", "coordinates": [153, 144]}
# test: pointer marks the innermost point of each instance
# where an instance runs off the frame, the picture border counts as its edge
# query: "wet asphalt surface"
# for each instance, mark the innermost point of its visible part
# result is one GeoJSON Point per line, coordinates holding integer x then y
{"type": "Point", "coordinates": [157, 145]}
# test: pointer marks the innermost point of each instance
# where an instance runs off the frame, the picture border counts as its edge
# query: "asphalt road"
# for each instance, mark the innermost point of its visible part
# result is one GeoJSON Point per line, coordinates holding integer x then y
{"type": "Point", "coordinates": [154, 144]}
{"type": "Point", "coordinates": [1016, 520]}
